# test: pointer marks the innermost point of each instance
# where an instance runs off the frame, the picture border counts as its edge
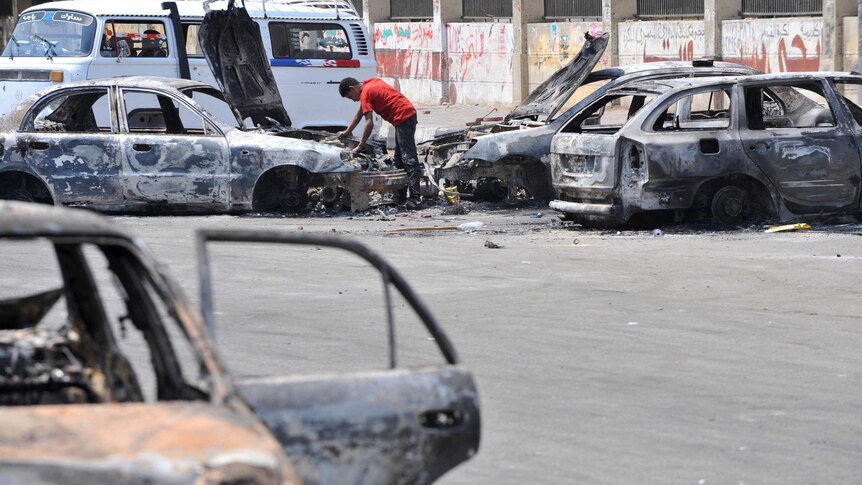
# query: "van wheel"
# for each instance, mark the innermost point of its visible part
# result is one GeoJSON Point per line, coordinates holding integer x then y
{"type": "Point", "coordinates": [730, 205]}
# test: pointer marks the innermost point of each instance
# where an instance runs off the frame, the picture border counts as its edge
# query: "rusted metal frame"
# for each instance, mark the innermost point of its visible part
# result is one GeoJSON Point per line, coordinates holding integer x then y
{"type": "Point", "coordinates": [172, 294]}
{"type": "Point", "coordinates": [206, 298]}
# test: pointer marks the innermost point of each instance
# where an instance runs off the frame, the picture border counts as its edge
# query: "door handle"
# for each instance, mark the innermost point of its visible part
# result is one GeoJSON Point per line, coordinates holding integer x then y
{"type": "Point", "coordinates": [760, 147]}
{"type": "Point", "coordinates": [441, 418]}
{"type": "Point", "coordinates": [709, 146]}
{"type": "Point", "coordinates": [38, 145]}
{"type": "Point", "coordinates": [142, 147]}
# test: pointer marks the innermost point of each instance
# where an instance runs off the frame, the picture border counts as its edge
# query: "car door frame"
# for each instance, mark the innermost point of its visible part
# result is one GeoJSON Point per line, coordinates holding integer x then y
{"type": "Point", "coordinates": [396, 425]}
{"type": "Point", "coordinates": [211, 185]}
{"type": "Point", "coordinates": [54, 157]}
{"type": "Point", "coordinates": [790, 190]}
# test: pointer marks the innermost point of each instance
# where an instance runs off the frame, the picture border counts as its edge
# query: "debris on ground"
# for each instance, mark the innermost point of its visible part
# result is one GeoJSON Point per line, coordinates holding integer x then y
{"type": "Point", "coordinates": [789, 227]}
{"type": "Point", "coordinates": [492, 245]}
{"type": "Point", "coordinates": [536, 215]}
{"type": "Point", "coordinates": [470, 227]}
{"type": "Point", "coordinates": [657, 232]}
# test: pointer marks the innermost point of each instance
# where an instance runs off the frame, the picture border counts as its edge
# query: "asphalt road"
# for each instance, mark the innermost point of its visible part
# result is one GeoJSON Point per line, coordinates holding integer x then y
{"type": "Point", "coordinates": [601, 357]}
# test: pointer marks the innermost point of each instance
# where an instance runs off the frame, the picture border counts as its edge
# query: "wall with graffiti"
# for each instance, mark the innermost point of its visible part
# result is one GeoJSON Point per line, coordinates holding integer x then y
{"type": "Point", "coordinates": [850, 53]}
{"type": "Point", "coordinates": [480, 62]}
{"type": "Point", "coordinates": [409, 56]}
{"type": "Point", "coordinates": [773, 45]}
{"type": "Point", "coordinates": [668, 40]}
{"type": "Point", "coordinates": [551, 46]}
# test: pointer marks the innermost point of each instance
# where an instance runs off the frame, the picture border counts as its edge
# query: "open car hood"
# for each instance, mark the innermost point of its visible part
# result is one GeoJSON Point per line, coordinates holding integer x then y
{"type": "Point", "coordinates": [232, 44]}
{"type": "Point", "coordinates": [547, 98]}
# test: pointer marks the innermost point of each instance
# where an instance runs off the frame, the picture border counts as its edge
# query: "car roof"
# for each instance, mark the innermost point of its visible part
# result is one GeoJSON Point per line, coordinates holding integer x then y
{"type": "Point", "coordinates": [29, 220]}
{"type": "Point", "coordinates": [649, 67]}
{"type": "Point", "coordinates": [139, 82]}
{"type": "Point", "coordinates": [293, 9]}
{"type": "Point", "coordinates": [778, 77]}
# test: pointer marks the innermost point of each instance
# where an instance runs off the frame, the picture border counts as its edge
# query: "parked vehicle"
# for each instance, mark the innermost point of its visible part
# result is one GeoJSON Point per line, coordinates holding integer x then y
{"type": "Point", "coordinates": [310, 45]}
{"type": "Point", "coordinates": [136, 144]}
{"type": "Point", "coordinates": [776, 146]}
{"type": "Point", "coordinates": [75, 408]}
{"type": "Point", "coordinates": [510, 159]}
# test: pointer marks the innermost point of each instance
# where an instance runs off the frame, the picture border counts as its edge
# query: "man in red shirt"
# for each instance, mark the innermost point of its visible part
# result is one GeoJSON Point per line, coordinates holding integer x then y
{"type": "Point", "coordinates": [377, 96]}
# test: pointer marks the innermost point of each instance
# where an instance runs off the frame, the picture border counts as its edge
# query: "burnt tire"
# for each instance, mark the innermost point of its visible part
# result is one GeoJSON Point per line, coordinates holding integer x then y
{"type": "Point", "coordinates": [294, 199]}
{"type": "Point", "coordinates": [730, 205]}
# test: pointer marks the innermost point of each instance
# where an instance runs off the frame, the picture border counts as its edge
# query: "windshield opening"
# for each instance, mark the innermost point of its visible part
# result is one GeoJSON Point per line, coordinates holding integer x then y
{"type": "Point", "coordinates": [52, 33]}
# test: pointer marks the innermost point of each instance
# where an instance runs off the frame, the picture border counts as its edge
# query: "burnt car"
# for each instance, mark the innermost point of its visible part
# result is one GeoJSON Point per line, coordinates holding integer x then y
{"type": "Point", "coordinates": [509, 159]}
{"type": "Point", "coordinates": [137, 144]}
{"type": "Point", "coordinates": [772, 146]}
{"type": "Point", "coordinates": [109, 375]}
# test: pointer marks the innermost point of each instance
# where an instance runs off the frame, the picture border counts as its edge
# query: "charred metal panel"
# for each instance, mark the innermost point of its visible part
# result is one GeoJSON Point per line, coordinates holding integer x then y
{"type": "Point", "coordinates": [397, 426]}
{"type": "Point", "coordinates": [233, 48]}
{"type": "Point", "coordinates": [81, 168]}
{"type": "Point", "coordinates": [135, 443]}
{"type": "Point", "coordinates": [185, 169]}
{"type": "Point", "coordinates": [584, 161]}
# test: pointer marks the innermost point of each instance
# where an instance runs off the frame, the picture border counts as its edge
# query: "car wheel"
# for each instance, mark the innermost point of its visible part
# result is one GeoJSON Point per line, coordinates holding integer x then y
{"type": "Point", "coordinates": [294, 199]}
{"type": "Point", "coordinates": [730, 205]}
{"type": "Point", "coordinates": [23, 195]}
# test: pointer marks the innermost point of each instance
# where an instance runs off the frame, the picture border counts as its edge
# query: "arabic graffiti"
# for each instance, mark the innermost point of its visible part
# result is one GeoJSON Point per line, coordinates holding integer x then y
{"type": "Point", "coordinates": [551, 46]}
{"type": "Point", "coordinates": [407, 50]}
{"type": "Point", "coordinates": [773, 45]}
{"type": "Point", "coordinates": [480, 61]}
{"type": "Point", "coordinates": [680, 40]}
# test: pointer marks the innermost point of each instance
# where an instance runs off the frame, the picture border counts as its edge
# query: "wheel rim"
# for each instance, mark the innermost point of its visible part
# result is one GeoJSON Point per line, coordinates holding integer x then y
{"type": "Point", "coordinates": [730, 205]}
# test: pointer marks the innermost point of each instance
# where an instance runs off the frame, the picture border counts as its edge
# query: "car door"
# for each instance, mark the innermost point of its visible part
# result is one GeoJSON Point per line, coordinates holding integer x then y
{"type": "Point", "coordinates": [802, 143]}
{"type": "Point", "coordinates": [135, 47]}
{"type": "Point", "coordinates": [70, 138]}
{"type": "Point", "coordinates": [172, 153]}
{"type": "Point", "coordinates": [398, 425]}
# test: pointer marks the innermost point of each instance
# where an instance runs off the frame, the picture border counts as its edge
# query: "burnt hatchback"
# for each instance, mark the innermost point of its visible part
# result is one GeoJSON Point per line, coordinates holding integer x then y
{"type": "Point", "coordinates": [109, 375]}
{"type": "Point", "coordinates": [772, 146]}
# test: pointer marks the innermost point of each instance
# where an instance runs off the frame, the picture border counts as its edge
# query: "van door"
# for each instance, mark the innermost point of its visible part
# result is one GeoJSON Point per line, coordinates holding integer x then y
{"type": "Point", "coordinates": [139, 47]}
{"type": "Point", "coordinates": [391, 425]}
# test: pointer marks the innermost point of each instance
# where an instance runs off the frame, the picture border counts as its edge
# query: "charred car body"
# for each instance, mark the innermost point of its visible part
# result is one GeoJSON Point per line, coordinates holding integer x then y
{"type": "Point", "coordinates": [510, 158]}
{"type": "Point", "coordinates": [150, 144]}
{"type": "Point", "coordinates": [75, 409]}
{"type": "Point", "coordinates": [777, 146]}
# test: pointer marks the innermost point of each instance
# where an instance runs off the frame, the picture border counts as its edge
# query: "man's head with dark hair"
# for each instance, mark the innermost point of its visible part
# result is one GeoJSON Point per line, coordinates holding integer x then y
{"type": "Point", "coordinates": [345, 88]}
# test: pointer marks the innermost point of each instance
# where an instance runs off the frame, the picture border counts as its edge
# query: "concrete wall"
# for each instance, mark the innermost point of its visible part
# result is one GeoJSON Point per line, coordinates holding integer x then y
{"type": "Point", "coordinates": [409, 57]}
{"type": "Point", "coordinates": [553, 45]}
{"type": "Point", "coordinates": [850, 50]}
{"type": "Point", "coordinates": [478, 56]}
{"type": "Point", "coordinates": [773, 45]}
{"type": "Point", "coordinates": [667, 40]}
{"type": "Point", "coordinates": [480, 62]}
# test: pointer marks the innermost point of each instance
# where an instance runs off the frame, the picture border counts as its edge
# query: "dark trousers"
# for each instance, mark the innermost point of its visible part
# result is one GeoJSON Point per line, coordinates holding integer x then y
{"type": "Point", "coordinates": [405, 153]}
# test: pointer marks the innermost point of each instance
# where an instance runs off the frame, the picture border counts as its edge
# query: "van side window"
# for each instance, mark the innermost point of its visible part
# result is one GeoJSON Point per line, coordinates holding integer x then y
{"type": "Point", "coordinates": [134, 39]}
{"type": "Point", "coordinates": [193, 45]}
{"type": "Point", "coordinates": [309, 41]}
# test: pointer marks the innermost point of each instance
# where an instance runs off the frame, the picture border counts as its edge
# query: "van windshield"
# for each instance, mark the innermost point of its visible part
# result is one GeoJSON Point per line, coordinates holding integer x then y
{"type": "Point", "coordinates": [52, 33]}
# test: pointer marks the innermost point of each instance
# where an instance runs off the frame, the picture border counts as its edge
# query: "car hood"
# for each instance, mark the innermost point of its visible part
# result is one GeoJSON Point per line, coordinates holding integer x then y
{"type": "Point", "coordinates": [178, 442]}
{"type": "Point", "coordinates": [551, 94]}
{"type": "Point", "coordinates": [232, 45]}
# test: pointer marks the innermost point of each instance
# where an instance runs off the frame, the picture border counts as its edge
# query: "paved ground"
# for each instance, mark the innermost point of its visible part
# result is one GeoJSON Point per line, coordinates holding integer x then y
{"type": "Point", "coordinates": [601, 357]}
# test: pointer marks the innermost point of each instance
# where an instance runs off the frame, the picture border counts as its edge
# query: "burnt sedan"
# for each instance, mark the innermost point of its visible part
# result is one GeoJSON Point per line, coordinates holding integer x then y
{"type": "Point", "coordinates": [509, 159]}
{"type": "Point", "coordinates": [109, 375]}
{"type": "Point", "coordinates": [140, 144]}
{"type": "Point", "coordinates": [776, 146]}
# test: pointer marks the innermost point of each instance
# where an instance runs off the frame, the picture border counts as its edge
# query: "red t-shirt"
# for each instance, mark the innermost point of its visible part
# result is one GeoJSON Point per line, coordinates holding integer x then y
{"type": "Point", "coordinates": [384, 100]}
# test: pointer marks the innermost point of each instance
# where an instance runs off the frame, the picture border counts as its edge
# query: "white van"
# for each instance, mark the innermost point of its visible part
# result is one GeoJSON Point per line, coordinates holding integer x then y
{"type": "Point", "coordinates": [311, 45]}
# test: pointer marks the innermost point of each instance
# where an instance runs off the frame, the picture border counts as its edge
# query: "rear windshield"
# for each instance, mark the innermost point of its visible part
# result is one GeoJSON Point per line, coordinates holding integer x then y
{"type": "Point", "coordinates": [52, 33]}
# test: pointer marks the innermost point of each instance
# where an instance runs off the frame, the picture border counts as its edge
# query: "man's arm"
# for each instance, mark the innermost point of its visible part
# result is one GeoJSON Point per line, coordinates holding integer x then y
{"type": "Point", "coordinates": [366, 133]}
{"type": "Point", "coordinates": [356, 118]}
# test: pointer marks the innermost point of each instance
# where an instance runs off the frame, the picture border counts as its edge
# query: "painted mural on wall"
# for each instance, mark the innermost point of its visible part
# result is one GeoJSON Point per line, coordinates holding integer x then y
{"type": "Point", "coordinates": [677, 40]}
{"type": "Point", "coordinates": [407, 50]}
{"type": "Point", "coordinates": [773, 45]}
{"type": "Point", "coordinates": [551, 46]}
{"type": "Point", "coordinates": [480, 62]}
